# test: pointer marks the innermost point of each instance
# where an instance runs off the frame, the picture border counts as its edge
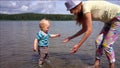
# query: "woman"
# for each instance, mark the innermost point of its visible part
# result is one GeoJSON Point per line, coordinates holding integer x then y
{"type": "Point", "coordinates": [88, 11]}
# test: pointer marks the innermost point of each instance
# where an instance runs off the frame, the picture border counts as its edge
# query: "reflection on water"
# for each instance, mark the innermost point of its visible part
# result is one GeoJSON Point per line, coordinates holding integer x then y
{"type": "Point", "coordinates": [16, 42]}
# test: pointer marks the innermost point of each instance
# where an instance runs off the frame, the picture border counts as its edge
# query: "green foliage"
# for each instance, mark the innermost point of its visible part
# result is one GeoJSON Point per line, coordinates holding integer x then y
{"type": "Point", "coordinates": [32, 16]}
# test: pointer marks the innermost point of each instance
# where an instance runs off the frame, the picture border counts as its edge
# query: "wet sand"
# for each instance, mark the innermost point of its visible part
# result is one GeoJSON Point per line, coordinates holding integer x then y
{"type": "Point", "coordinates": [16, 43]}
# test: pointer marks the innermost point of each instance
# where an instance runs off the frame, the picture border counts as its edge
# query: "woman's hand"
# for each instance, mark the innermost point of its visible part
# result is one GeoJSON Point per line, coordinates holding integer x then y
{"type": "Point", "coordinates": [67, 39]}
{"type": "Point", "coordinates": [75, 48]}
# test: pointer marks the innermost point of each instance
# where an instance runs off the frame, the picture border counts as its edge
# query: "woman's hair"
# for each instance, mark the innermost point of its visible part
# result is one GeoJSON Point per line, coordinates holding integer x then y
{"type": "Point", "coordinates": [79, 18]}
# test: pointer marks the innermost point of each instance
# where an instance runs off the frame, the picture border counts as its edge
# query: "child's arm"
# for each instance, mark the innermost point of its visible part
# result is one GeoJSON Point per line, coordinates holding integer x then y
{"type": "Point", "coordinates": [35, 44]}
{"type": "Point", "coordinates": [54, 35]}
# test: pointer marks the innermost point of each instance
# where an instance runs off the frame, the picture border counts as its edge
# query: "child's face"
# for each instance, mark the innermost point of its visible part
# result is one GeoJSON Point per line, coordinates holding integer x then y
{"type": "Point", "coordinates": [45, 27]}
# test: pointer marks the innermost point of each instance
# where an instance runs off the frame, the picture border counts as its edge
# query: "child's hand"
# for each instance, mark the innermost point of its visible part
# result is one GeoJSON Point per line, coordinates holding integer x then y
{"type": "Point", "coordinates": [34, 49]}
{"type": "Point", "coordinates": [35, 45]}
{"type": "Point", "coordinates": [66, 40]}
{"type": "Point", "coordinates": [58, 35]}
{"type": "Point", "coordinates": [54, 35]}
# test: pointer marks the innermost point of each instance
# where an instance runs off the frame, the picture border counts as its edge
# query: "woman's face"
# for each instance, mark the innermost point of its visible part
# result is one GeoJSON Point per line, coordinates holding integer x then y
{"type": "Point", "coordinates": [74, 11]}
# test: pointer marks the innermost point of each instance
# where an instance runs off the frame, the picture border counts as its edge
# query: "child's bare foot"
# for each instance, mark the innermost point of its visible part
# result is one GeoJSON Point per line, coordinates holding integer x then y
{"type": "Point", "coordinates": [48, 61]}
{"type": "Point", "coordinates": [40, 63]}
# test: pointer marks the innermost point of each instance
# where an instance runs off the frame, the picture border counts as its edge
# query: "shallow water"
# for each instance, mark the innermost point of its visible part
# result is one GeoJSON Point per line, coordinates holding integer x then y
{"type": "Point", "coordinates": [16, 43]}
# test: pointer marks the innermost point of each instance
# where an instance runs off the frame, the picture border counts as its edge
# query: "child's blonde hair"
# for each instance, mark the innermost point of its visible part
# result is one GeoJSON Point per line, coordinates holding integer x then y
{"type": "Point", "coordinates": [43, 22]}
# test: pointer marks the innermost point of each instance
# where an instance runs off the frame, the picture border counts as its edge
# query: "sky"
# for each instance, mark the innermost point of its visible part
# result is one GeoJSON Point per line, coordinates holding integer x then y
{"type": "Point", "coordinates": [36, 6]}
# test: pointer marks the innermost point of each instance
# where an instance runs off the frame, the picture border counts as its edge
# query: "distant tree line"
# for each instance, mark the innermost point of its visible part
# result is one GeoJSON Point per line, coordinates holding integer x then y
{"type": "Point", "coordinates": [32, 16]}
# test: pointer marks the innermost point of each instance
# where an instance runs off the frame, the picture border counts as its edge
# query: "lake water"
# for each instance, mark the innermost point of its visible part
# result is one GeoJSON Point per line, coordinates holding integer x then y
{"type": "Point", "coordinates": [16, 43]}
